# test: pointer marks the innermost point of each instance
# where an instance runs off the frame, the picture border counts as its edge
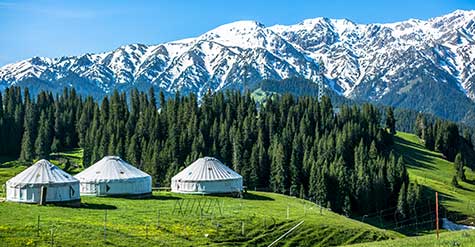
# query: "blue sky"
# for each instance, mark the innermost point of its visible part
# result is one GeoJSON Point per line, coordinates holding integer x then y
{"type": "Point", "coordinates": [56, 28]}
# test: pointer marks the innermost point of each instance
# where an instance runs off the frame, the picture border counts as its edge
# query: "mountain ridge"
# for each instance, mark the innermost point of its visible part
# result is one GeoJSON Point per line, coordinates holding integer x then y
{"type": "Point", "coordinates": [382, 63]}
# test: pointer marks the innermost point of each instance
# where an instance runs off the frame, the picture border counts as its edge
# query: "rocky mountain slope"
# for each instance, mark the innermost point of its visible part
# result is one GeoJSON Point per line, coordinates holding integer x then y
{"type": "Point", "coordinates": [423, 65]}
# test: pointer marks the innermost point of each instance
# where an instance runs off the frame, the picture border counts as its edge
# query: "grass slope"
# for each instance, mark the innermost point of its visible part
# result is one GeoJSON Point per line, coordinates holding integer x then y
{"type": "Point", "coordinates": [434, 172]}
{"type": "Point", "coordinates": [447, 239]}
{"type": "Point", "coordinates": [262, 217]}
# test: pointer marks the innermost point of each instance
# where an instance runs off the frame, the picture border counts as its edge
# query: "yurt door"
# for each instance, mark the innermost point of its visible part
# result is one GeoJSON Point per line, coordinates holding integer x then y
{"type": "Point", "coordinates": [101, 189]}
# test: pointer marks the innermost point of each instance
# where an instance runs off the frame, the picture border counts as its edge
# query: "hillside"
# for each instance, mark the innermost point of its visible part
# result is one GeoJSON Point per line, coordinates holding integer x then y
{"type": "Point", "coordinates": [447, 239]}
{"type": "Point", "coordinates": [433, 171]}
{"type": "Point", "coordinates": [264, 215]}
{"type": "Point", "coordinates": [256, 220]}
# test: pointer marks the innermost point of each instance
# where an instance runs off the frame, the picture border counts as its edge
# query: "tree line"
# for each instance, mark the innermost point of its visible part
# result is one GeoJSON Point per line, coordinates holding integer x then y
{"type": "Point", "coordinates": [447, 138]}
{"type": "Point", "coordinates": [295, 146]}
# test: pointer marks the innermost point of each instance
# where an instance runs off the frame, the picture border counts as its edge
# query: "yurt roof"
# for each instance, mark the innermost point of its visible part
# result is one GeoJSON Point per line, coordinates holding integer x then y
{"type": "Point", "coordinates": [111, 168]}
{"type": "Point", "coordinates": [42, 172]}
{"type": "Point", "coordinates": [207, 169]}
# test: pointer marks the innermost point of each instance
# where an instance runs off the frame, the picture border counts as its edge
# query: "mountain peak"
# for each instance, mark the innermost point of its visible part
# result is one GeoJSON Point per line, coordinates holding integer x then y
{"type": "Point", "coordinates": [243, 34]}
{"type": "Point", "coordinates": [455, 15]}
{"type": "Point", "coordinates": [375, 62]}
{"type": "Point", "coordinates": [239, 25]}
{"type": "Point", "coordinates": [235, 28]}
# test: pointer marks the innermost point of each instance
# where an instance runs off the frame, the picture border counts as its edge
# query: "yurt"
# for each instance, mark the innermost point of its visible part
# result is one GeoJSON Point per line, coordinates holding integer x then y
{"type": "Point", "coordinates": [112, 176]}
{"type": "Point", "coordinates": [207, 176]}
{"type": "Point", "coordinates": [57, 185]}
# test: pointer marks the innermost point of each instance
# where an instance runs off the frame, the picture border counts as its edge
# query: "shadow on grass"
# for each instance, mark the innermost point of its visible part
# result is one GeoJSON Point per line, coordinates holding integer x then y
{"type": "Point", "coordinates": [415, 154]}
{"type": "Point", "coordinates": [162, 197]}
{"type": "Point", "coordinates": [470, 181]}
{"type": "Point", "coordinates": [143, 197]}
{"type": "Point", "coordinates": [97, 206]}
{"type": "Point", "coordinates": [12, 164]}
{"type": "Point", "coordinates": [5, 159]}
{"type": "Point", "coordinates": [255, 197]}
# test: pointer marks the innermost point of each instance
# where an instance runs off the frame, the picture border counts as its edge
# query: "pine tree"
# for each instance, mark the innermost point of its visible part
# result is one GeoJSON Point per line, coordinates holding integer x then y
{"type": "Point", "coordinates": [390, 121]}
{"type": "Point", "coordinates": [347, 206]}
{"type": "Point", "coordinates": [295, 167]}
{"type": "Point", "coordinates": [429, 140]}
{"type": "Point", "coordinates": [459, 167]}
{"type": "Point", "coordinates": [277, 177]}
{"type": "Point", "coordinates": [133, 152]}
{"type": "Point", "coordinates": [263, 163]}
{"type": "Point", "coordinates": [402, 202]}
{"type": "Point", "coordinates": [41, 143]}
{"type": "Point", "coordinates": [237, 153]}
{"type": "Point", "coordinates": [420, 126]}
{"type": "Point", "coordinates": [55, 145]}
{"type": "Point", "coordinates": [27, 147]}
{"type": "Point", "coordinates": [254, 167]}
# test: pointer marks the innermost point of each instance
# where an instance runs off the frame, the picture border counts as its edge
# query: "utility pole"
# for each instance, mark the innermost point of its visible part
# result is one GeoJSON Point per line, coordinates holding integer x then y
{"type": "Point", "coordinates": [437, 212]}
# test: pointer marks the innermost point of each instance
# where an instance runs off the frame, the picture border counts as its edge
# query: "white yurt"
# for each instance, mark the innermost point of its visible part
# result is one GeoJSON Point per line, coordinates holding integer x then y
{"type": "Point", "coordinates": [207, 176]}
{"type": "Point", "coordinates": [113, 176]}
{"type": "Point", "coordinates": [60, 186]}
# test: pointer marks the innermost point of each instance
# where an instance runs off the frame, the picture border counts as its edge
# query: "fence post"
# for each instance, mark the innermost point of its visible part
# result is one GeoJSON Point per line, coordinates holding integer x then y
{"type": "Point", "coordinates": [242, 228]}
{"type": "Point", "coordinates": [52, 237]}
{"type": "Point", "coordinates": [184, 228]}
{"type": "Point", "coordinates": [105, 225]}
{"type": "Point", "coordinates": [146, 231]}
{"type": "Point", "coordinates": [201, 216]}
{"type": "Point", "coordinates": [287, 211]}
{"type": "Point", "coordinates": [38, 227]}
{"type": "Point", "coordinates": [158, 218]}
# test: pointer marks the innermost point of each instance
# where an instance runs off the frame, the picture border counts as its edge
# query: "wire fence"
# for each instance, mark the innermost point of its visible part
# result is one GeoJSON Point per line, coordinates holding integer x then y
{"type": "Point", "coordinates": [180, 223]}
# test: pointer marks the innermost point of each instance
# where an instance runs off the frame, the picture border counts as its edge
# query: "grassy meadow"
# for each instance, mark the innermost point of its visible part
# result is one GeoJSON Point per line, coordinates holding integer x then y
{"type": "Point", "coordinates": [435, 173]}
{"type": "Point", "coordinates": [255, 220]}
{"type": "Point", "coordinates": [447, 239]}
{"type": "Point", "coordinates": [169, 219]}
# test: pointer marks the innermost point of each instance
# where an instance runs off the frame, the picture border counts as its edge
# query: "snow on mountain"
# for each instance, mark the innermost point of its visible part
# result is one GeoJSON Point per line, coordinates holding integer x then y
{"type": "Point", "coordinates": [376, 62]}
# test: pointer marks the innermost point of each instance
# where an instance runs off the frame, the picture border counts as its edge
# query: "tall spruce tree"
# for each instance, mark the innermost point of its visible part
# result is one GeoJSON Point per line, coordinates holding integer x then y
{"type": "Point", "coordinates": [390, 121]}
{"type": "Point", "coordinates": [41, 143]}
{"type": "Point", "coordinates": [28, 141]}
{"type": "Point", "coordinates": [277, 180]}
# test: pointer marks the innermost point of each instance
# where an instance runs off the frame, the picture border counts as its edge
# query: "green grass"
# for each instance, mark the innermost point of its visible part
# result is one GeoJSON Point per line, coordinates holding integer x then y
{"type": "Point", "coordinates": [264, 216]}
{"type": "Point", "coordinates": [447, 239]}
{"type": "Point", "coordinates": [431, 170]}
{"type": "Point", "coordinates": [434, 172]}
{"type": "Point", "coordinates": [133, 222]}
{"type": "Point", "coordinates": [262, 96]}
{"type": "Point", "coordinates": [74, 156]}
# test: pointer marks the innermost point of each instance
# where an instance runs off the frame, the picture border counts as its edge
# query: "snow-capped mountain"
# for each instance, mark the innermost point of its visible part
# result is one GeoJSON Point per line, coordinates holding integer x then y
{"type": "Point", "coordinates": [425, 65]}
